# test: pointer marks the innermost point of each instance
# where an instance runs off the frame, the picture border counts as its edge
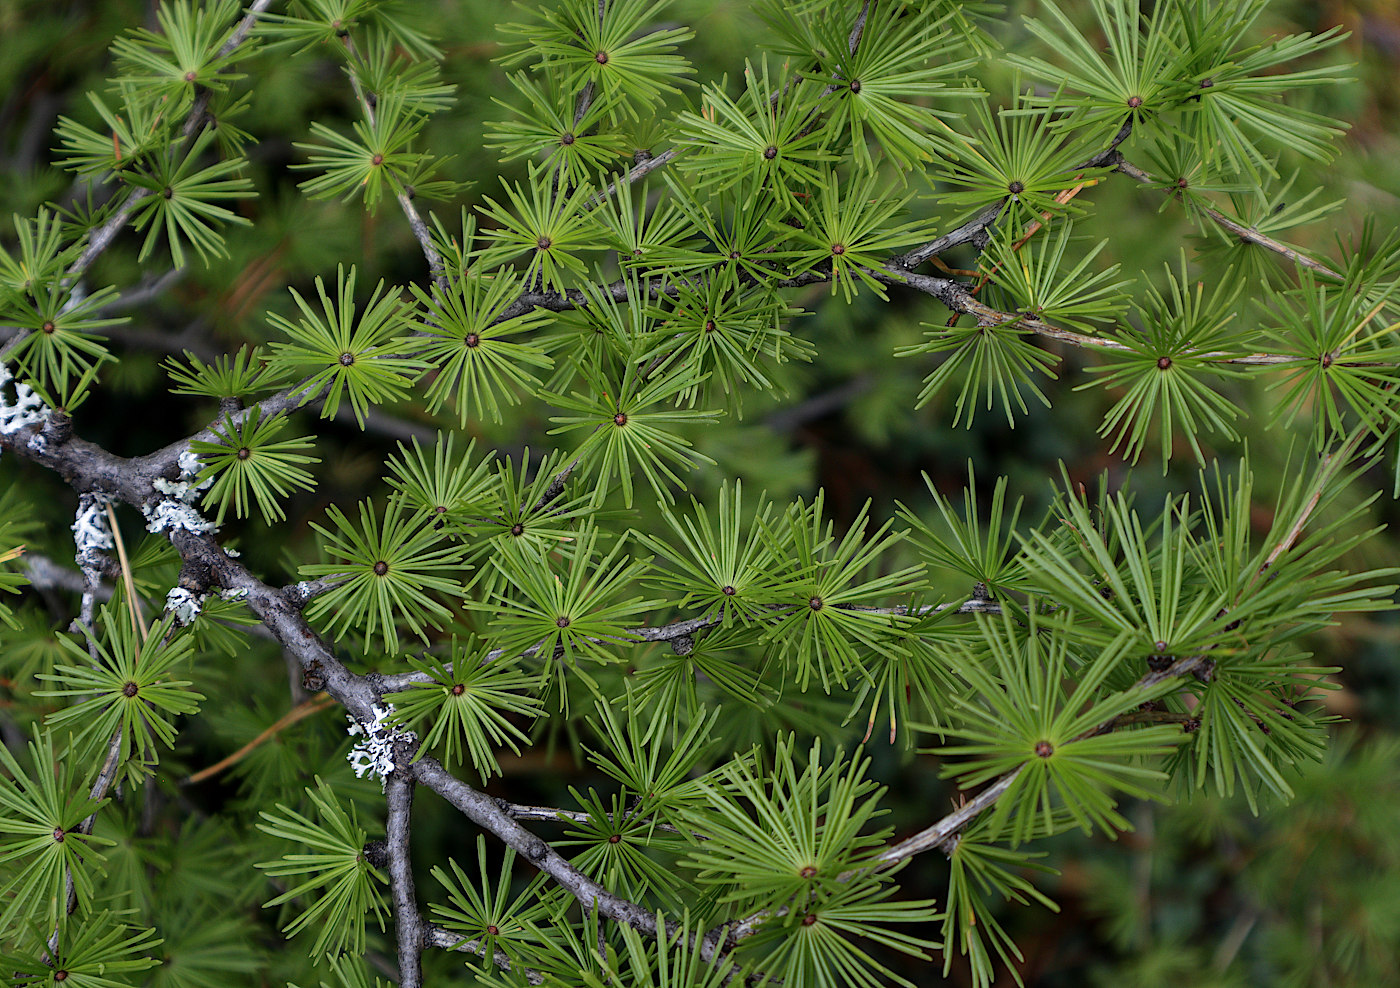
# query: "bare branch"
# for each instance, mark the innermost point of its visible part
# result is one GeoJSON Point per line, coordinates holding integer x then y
{"type": "Point", "coordinates": [974, 229]}
{"type": "Point", "coordinates": [446, 939]}
{"type": "Point", "coordinates": [408, 923]}
{"type": "Point", "coordinates": [44, 573]}
{"type": "Point", "coordinates": [486, 813]}
{"type": "Point", "coordinates": [853, 42]}
{"type": "Point", "coordinates": [105, 777]}
{"type": "Point", "coordinates": [686, 628]}
{"type": "Point", "coordinates": [640, 170]}
{"type": "Point", "coordinates": [1246, 234]}
{"type": "Point", "coordinates": [421, 233]}
{"type": "Point", "coordinates": [946, 830]}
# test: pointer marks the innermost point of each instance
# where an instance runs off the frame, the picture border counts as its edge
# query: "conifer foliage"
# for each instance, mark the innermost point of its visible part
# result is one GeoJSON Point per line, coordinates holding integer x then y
{"type": "Point", "coordinates": [617, 280]}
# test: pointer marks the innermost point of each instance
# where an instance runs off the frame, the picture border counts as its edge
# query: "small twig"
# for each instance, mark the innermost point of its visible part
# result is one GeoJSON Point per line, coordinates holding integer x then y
{"type": "Point", "coordinates": [1245, 233]}
{"type": "Point", "coordinates": [421, 233]}
{"type": "Point", "coordinates": [484, 811]}
{"type": "Point", "coordinates": [1235, 937]}
{"type": "Point", "coordinates": [1331, 463]}
{"type": "Point", "coordinates": [103, 782]}
{"type": "Point", "coordinates": [151, 289]}
{"type": "Point", "coordinates": [585, 96]}
{"type": "Point", "coordinates": [446, 939]}
{"type": "Point", "coordinates": [853, 41]}
{"type": "Point", "coordinates": [42, 572]}
{"type": "Point", "coordinates": [556, 486]}
{"type": "Point", "coordinates": [1108, 154]}
{"type": "Point", "coordinates": [638, 171]}
{"type": "Point", "coordinates": [1061, 198]}
{"type": "Point", "coordinates": [300, 712]}
{"type": "Point", "coordinates": [552, 814]}
{"type": "Point", "coordinates": [100, 785]}
{"type": "Point", "coordinates": [942, 833]}
{"type": "Point", "coordinates": [971, 230]}
{"type": "Point", "coordinates": [101, 238]}
{"type": "Point", "coordinates": [137, 625]}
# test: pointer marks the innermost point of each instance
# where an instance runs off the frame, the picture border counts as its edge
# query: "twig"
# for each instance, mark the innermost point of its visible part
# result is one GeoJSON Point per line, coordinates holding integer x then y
{"type": "Point", "coordinates": [44, 573]}
{"type": "Point", "coordinates": [486, 813]}
{"type": "Point", "coordinates": [556, 486]}
{"type": "Point", "coordinates": [1109, 153]}
{"type": "Point", "coordinates": [100, 785]}
{"type": "Point", "coordinates": [552, 814]}
{"type": "Point", "coordinates": [686, 628]}
{"type": "Point", "coordinates": [137, 625]}
{"type": "Point", "coordinates": [853, 41]}
{"type": "Point", "coordinates": [971, 230]}
{"type": "Point", "coordinates": [101, 238]}
{"type": "Point", "coordinates": [300, 712]}
{"type": "Point", "coordinates": [408, 923]}
{"type": "Point", "coordinates": [640, 170]}
{"type": "Point", "coordinates": [150, 289]}
{"type": "Point", "coordinates": [421, 233]}
{"type": "Point", "coordinates": [446, 939]}
{"type": "Point", "coordinates": [1245, 233]}
{"type": "Point", "coordinates": [1332, 462]}
{"type": "Point", "coordinates": [945, 830]}
{"type": "Point", "coordinates": [585, 96]}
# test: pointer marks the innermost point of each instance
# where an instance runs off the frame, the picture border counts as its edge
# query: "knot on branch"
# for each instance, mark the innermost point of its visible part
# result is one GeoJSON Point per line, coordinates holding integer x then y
{"type": "Point", "coordinates": [196, 575]}
{"type": "Point", "coordinates": [57, 430]}
{"type": "Point", "coordinates": [313, 678]}
{"type": "Point", "coordinates": [376, 852]}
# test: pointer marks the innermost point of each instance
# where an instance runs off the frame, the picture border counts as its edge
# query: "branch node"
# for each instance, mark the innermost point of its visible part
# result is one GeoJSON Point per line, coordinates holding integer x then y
{"type": "Point", "coordinates": [377, 853]}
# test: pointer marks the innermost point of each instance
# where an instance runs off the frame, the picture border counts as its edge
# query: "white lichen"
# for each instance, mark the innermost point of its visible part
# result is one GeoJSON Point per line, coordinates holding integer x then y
{"type": "Point", "coordinates": [171, 514]}
{"type": "Point", "coordinates": [25, 410]}
{"type": "Point", "coordinates": [184, 605]}
{"type": "Point", "coordinates": [90, 531]}
{"type": "Point", "coordinates": [180, 490]}
{"type": "Point", "coordinates": [375, 754]}
{"type": "Point", "coordinates": [177, 510]}
{"type": "Point", "coordinates": [189, 463]}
